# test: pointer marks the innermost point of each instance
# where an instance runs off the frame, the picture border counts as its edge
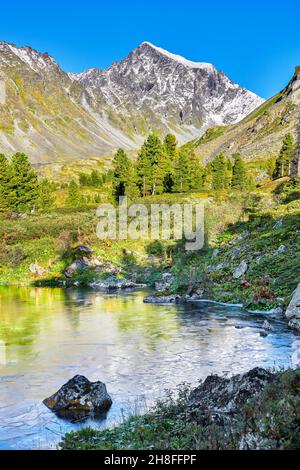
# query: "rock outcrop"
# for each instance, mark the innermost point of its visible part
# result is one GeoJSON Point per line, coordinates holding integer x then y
{"type": "Point", "coordinates": [113, 283]}
{"type": "Point", "coordinates": [79, 398]}
{"type": "Point", "coordinates": [219, 398]}
{"type": "Point", "coordinates": [164, 283]}
{"type": "Point", "coordinates": [293, 311]}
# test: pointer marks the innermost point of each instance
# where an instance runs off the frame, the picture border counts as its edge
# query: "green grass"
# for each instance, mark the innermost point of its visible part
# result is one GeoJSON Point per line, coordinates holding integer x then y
{"type": "Point", "coordinates": [48, 240]}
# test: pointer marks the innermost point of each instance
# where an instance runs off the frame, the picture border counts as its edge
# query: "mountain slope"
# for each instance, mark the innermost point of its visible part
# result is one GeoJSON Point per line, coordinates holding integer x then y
{"type": "Point", "coordinates": [57, 116]}
{"type": "Point", "coordinates": [258, 136]}
{"type": "Point", "coordinates": [154, 88]}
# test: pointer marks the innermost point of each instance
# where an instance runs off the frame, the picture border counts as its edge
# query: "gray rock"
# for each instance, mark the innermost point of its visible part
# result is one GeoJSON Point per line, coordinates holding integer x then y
{"type": "Point", "coordinates": [84, 249]}
{"type": "Point", "coordinates": [240, 270]}
{"type": "Point", "coordinates": [293, 311]}
{"type": "Point", "coordinates": [36, 269]}
{"type": "Point", "coordinates": [163, 299]}
{"type": "Point", "coordinates": [218, 398]}
{"type": "Point", "coordinates": [218, 267]}
{"type": "Point", "coordinates": [267, 325]}
{"type": "Point", "coordinates": [78, 265]}
{"type": "Point", "coordinates": [236, 251]}
{"type": "Point", "coordinates": [215, 253]}
{"type": "Point", "coordinates": [278, 224]}
{"type": "Point", "coordinates": [280, 250]}
{"type": "Point", "coordinates": [164, 283]}
{"type": "Point", "coordinates": [79, 398]}
{"type": "Point", "coordinates": [91, 262]}
{"type": "Point", "coordinates": [113, 283]}
{"type": "Point", "coordinates": [241, 237]}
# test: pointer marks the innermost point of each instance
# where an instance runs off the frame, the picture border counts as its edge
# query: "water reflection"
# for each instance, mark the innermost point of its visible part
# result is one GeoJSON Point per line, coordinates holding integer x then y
{"type": "Point", "coordinates": [137, 349]}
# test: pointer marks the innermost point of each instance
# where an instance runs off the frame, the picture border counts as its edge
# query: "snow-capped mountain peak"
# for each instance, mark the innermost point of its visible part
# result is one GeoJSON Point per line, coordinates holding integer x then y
{"type": "Point", "coordinates": [95, 111]}
{"type": "Point", "coordinates": [181, 60]}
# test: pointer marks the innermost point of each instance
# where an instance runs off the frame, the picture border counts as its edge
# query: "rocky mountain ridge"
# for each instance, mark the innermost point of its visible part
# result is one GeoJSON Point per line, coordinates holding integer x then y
{"type": "Point", "coordinates": [57, 116]}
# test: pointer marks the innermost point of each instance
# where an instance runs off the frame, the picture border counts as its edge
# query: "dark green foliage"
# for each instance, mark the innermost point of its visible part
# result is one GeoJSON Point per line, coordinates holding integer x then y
{"type": "Point", "coordinates": [220, 173]}
{"type": "Point", "coordinates": [182, 172]}
{"type": "Point", "coordinates": [151, 166]}
{"type": "Point", "coordinates": [285, 157]}
{"type": "Point", "coordinates": [74, 197]}
{"type": "Point", "coordinates": [289, 191]}
{"type": "Point", "coordinates": [22, 185]}
{"type": "Point", "coordinates": [4, 178]}
{"type": "Point", "coordinates": [45, 199]}
{"type": "Point", "coordinates": [170, 146]}
{"type": "Point", "coordinates": [196, 172]}
{"type": "Point", "coordinates": [239, 175]}
{"type": "Point", "coordinates": [124, 176]}
{"type": "Point", "coordinates": [95, 179]}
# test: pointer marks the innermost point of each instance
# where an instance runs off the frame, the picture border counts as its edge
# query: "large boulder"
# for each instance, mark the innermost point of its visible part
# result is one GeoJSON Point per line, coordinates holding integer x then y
{"type": "Point", "coordinates": [77, 265]}
{"type": "Point", "coordinates": [79, 398]}
{"type": "Point", "coordinates": [84, 249]}
{"type": "Point", "coordinates": [293, 311]}
{"type": "Point", "coordinates": [218, 398]}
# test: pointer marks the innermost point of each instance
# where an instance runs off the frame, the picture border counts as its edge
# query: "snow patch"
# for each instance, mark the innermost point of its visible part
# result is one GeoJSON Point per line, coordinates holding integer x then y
{"type": "Point", "coordinates": [180, 59]}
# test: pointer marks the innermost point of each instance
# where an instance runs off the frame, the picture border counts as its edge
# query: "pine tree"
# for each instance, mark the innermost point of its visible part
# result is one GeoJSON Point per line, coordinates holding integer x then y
{"type": "Point", "coordinates": [4, 178]}
{"type": "Point", "coordinates": [207, 176]}
{"type": "Point", "coordinates": [22, 187]}
{"type": "Point", "coordinates": [182, 172]}
{"type": "Point", "coordinates": [170, 146]}
{"type": "Point", "coordinates": [74, 198]}
{"type": "Point", "coordinates": [196, 172]}
{"type": "Point", "coordinates": [286, 155]}
{"type": "Point", "coordinates": [95, 179]}
{"type": "Point", "coordinates": [149, 166]}
{"type": "Point", "coordinates": [45, 198]}
{"type": "Point", "coordinates": [124, 176]}
{"type": "Point", "coordinates": [239, 174]}
{"type": "Point", "coordinates": [220, 180]}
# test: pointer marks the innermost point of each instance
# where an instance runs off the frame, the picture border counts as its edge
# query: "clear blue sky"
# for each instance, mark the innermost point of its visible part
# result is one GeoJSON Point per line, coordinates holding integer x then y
{"type": "Point", "coordinates": [256, 43]}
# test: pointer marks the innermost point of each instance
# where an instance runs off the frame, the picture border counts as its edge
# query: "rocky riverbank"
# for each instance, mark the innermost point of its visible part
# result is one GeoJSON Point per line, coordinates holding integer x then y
{"type": "Point", "coordinates": [254, 410]}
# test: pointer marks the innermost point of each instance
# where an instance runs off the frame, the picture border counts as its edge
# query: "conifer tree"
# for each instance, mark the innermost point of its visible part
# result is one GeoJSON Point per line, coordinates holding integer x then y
{"type": "Point", "coordinates": [220, 180]}
{"type": "Point", "coordinates": [196, 172]}
{"type": "Point", "coordinates": [45, 198]}
{"type": "Point", "coordinates": [286, 155]}
{"type": "Point", "coordinates": [149, 171]}
{"type": "Point", "coordinates": [182, 172]}
{"type": "Point", "coordinates": [95, 179]}
{"type": "Point", "coordinates": [124, 176]}
{"type": "Point", "coordinates": [4, 178]}
{"type": "Point", "coordinates": [170, 146]}
{"type": "Point", "coordinates": [207, 176]}
{"type": "Point", "coordinates": [74, 198]}
{"type": "Point", "coordinates": [239, 174]}
{"type": "Point", "coordinates": [22, 187]}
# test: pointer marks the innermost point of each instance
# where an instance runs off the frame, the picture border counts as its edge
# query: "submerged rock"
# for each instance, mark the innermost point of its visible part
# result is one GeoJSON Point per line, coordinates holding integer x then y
{"type": "Point", "coordinates": [267, 325]}
{"type": "Point", "coordinates": [218, 398]}
{"type": "Point", "coordinates": [293, 311]}
{"type": "Point", "coordinates": [79, 398]}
